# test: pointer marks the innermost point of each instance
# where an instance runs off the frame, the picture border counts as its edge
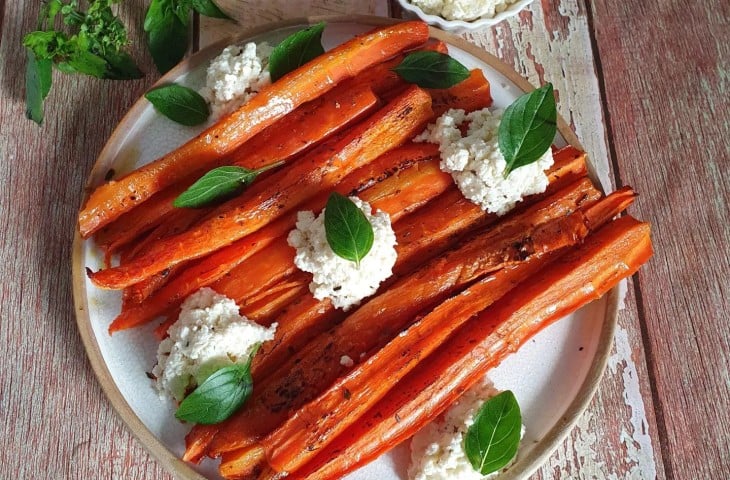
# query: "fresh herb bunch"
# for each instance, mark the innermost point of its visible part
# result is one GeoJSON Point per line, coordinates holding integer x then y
{"type": "Point", "coordinates": [167, 26]}
{"type": "Point", "coordinates": [91, 42]}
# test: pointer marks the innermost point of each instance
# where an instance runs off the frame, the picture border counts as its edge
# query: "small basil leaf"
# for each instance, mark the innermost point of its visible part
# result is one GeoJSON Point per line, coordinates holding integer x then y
{"type": "Point", "coordinates": [219, 396]}
{"type": "Point", "coordinates": [349, 233]}
{"type": "Point", "coordinates": [38, 75]}
{"type": "Point", "coordinates": [180, 104]}
{"type": "Point", "coordinates": [219, 184]}
{"type": "Point", "coordinates": [209, 9]}
{"type": "Point", "coordinates": [167, 34]}
{"type": "Point", "coordinates": [296, 50]}
{"type": "Point", "coordinates": [527, 128]}
{"type": "Point", "coordinates": [431, 70]}
{"type": "Point", "coordinates": [492, 440]}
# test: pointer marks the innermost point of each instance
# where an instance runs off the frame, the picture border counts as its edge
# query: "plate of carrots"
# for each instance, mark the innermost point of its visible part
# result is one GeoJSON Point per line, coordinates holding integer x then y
{"type": "Point", "coordinates": [501, 282]}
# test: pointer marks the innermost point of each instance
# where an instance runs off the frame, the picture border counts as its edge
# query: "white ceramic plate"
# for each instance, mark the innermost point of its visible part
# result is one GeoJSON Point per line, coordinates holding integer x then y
{"type": "Point", "coordinates": [553, 376]}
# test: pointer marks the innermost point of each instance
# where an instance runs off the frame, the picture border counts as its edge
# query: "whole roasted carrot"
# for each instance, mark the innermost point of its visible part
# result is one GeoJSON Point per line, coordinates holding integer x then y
{"type": "Point", "coordinates": [269, 199]}
{"type": "Point", "coordinates": [582, 275]}
{"type": "Point", "coordinates": [471, 94]}
{"type": "Point", "coordinates": [317, 423]}
{"type": "Point", "coordinates": [213, 267]}
{"type": "Point", "coordinates": [378, 320]}
{"type": "Point", "coordinates": [306, 83]}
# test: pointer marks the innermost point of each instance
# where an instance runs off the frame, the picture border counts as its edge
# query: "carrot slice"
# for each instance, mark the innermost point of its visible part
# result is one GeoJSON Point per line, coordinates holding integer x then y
{"type": "Point", "coordinates": [269, 199]}
{"type": "Point", "coordinates": [582, 275]}
{"type": "Point", "coordinates": [281, 97]}
{"type": "Point", "coordinates": [303, 376]}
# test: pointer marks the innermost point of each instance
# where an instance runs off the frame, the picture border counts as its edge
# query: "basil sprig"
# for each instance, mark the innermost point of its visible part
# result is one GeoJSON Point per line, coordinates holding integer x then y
{"type": "Point", "coordinates": [430, 69]}
{"type": "Point", "coordinates": [167, 25]}
{"type": "Point", "coordinates": [492, 440]}
{"type": "Point", "coordinates": [219, 184]}
{"type": "Point", "coordinates": [348, 231]}
{"type": "Point", "coordinates": [219, 396]}
{"type": "Point", "coordinates": [527, 128]}
{"type": "Point", "coordinates": [180, 104]}
{"type": "Point", "coordinates": [296, 50]}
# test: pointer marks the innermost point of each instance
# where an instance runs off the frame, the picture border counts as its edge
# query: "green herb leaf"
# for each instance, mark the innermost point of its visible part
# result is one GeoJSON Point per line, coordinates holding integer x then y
{"type": "Point", "coordinates": [209, 9]}
{"type": "Point", "coordinates": [219, 184]}
{"type": "Point", "coordinates": [296, 50]}
{"type": "Point", "coordinates": [180, 104]}
{"type": "Point", "coordinates": [431, 70]}
{"type": "Point", "coordinates": [349, 233]}
{"type": "Point", "coordinates": [528, 128]}
{"type": "Point", "coordinates": [166, 24]}
{"type": "Point", "coordinates": [37, 85]}
{"type": "Point", "coordinates": [219, 396]}
{"type": "Point", "coordinates": [492, 440]}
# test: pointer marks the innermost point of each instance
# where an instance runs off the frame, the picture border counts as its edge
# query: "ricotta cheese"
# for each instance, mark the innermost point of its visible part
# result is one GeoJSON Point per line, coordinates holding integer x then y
{"type": "Point", "coordinates": [437, 450]}
{"type": "Point", "coordinates": [340, 280]}
{"type": "Point", "coordinates": [209, 334]}
{"type": "Point", "coordinates": [466, 10]}
{"type": "Point", "coordinates": [477, 164]}
{"type": "Point", "coordinates": [235, 76]}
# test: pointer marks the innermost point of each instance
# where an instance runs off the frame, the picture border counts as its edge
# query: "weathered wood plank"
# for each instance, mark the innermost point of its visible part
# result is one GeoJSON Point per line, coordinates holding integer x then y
{"type": "Point", "coordinates": [667, 93]}
{"type": "Point", "coordinates": [56, 421]}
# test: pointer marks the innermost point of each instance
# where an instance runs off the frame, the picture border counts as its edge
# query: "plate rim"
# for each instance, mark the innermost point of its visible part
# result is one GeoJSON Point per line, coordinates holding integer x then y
{"type": "Point", "coordinates": [524, 467]}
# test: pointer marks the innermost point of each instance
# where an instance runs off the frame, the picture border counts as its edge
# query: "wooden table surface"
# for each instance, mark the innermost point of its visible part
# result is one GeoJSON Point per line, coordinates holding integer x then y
{"type": "Point", "coordinates": [644, 84]}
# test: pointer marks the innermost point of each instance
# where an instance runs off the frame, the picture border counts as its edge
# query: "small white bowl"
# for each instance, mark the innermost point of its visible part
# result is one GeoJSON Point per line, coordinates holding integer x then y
{"type": "Point", "coordinates": [461, 26]}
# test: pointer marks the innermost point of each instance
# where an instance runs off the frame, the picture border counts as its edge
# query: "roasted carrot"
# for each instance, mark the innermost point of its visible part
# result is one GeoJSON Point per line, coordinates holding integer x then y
{"type": "Point", "coordinates": [269, 306]}
{"type": "Point", "coordinates": [286, 140]}
{"type": "Point", "coordinates": [379, 319]}
{"type": "Point", "coordinates": [212, 268]}
{"type": "Point", "coordinates": [582, 275]}
{"type": "Point", "coordinates": [306, 83]}
{"type": "Point", "coordinates": [269, 199]}
{"type": "Point", "coordinates": [471, 94]}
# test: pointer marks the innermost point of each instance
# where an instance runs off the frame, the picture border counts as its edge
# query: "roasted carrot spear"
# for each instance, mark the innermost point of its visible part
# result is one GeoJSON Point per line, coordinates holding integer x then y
{"type": "Point", "coordinates": [582, 275]}
{"type": "Point", "coordinates": [269, 199]}
{"type": "Point", "coordinates": [306, 83]}
{"type": "Point", "coordinates": [514, 239]}
{"type": "Point", "coordinates": [317, 423]}
{"type": "Point", "coordinates": [215, 266]}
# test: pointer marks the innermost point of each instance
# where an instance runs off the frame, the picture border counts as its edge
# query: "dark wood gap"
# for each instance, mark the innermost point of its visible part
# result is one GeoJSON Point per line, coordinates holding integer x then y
{"type": "Point", "coordinates": [196, 32]}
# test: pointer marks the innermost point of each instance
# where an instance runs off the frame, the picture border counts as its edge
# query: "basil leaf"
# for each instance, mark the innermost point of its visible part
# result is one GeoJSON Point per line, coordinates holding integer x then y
{"type": "Point", "coordinates": [180, 104]}
{"type": "Point", "coordinates": [167, 33]}
{"type": "Point", "coordinates": [219, 396]}
{"type": "Point", "coordinates": [219, 184]}
{"type": "Point", "coordinates": [209, 9]}
{"type": "Point", "coordinates": [349, 233]}
{"type": "Point", "coordinates": [296, 50]}
{"type": "Point", "coordinates": [121, 66]}
{"type": "Point", "coordinates": [527, 128]}
{"type": "Point", "coordinates": [431, 70]}
{"type": "Point", "coordinates": [492, 440]}
{"type": "Point", "coordinates": [84, 62]}
{"type": "Point", "coordinates": [38, 75]}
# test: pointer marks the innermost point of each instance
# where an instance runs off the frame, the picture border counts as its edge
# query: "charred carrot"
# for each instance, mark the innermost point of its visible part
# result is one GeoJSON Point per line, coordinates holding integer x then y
{"type": "Point", "coordinates": [306, 83]}
{"type": "Point", "coordinates": [212, 268]}
{"type": "Point", "coordinates": [269, 199]}
{"type": "Point", "coordinates": [582, 275]}
{"type": "Point", "coordinates": [472, 94]}
{"type": "Point", "coordinates": [381, 318]}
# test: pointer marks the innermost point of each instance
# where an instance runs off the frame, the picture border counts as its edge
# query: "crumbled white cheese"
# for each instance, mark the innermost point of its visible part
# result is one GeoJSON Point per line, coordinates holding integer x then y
{"type": "Point", "coordinates": [335, 278]}
{"type": "Point", "coordinates": [235, 76]}
{"type": "Point", "coordinates": [466, 10]}
{"type": "Point", "coordinates": [477, 164]}
{"type": "Point", "coordinates": [437, 450]}
{"type": "Point", "coordinates": [346, 361]}
{"type": "Point", "coordinates": [208, 335]}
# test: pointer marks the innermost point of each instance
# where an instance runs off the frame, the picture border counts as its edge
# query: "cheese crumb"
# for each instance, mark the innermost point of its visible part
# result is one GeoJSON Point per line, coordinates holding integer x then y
{"type": "Point", "coordinates": [437, 450]}
{"type": "Point", "coordinates": [235, 76]}
{"type": "Point", "coordinates": [477, 164]}
{"type": "Point", "coordinates": [346, 361]}
{"type": "Point", "coordinates": [466, 10]}
{"type": "Point", "coordinates": [209, 334]}
{"type": "Point", "coordinates": [340, 280]}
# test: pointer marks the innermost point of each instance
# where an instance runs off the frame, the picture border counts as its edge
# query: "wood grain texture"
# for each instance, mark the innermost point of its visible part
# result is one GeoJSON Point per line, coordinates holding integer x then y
{"type": "Point", "coordinates": [56, 422]}
{"type": "Point", "coordinates": [667, 105]}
